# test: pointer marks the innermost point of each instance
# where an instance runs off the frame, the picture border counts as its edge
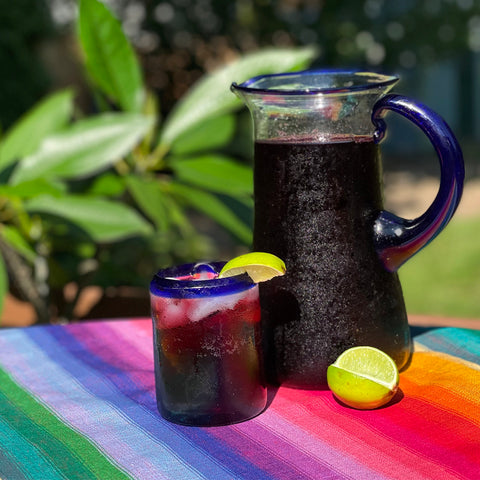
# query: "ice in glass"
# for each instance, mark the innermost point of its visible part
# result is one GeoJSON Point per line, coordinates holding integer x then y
{"type": "Point", "coordinates": [207, 346]}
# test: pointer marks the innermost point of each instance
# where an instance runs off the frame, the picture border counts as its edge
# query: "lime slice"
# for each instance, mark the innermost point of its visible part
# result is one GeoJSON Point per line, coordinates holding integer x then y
{"type": "Point", "coordinates": [260, 266]}
{"type": "Point", "coordinates": [363, 378]}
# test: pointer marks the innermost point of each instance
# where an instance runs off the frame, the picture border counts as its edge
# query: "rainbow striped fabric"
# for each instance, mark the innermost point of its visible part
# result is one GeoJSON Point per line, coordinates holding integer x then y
{"type": "Point", "coordinates": [78, 402]}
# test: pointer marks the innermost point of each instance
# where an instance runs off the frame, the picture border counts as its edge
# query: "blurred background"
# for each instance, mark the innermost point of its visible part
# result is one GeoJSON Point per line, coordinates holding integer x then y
{"type": "Point", "coordinates": [433, 45]}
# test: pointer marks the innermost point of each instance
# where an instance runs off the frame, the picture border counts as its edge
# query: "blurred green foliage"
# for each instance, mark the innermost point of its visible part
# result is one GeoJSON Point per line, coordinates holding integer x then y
{"type": "Point", "coordinates": [156, 153]}
{"type": "Point", "coordinates": [186, 36]}
{"type": "Point", "coordinates": [23, 25]}
{"type": "Point", "coordinates": [105, 199]}
{"type": "Point", "coordinates": [180, 39]}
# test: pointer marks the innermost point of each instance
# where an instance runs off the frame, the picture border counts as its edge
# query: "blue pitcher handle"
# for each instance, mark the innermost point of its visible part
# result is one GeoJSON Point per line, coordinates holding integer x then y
{"type": "Point", "coordinates": [398, 239]}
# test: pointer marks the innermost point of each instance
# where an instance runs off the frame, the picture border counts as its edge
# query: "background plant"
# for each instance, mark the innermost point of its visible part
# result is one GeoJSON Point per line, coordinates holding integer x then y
{"type": "Point", "coordinates": [105, 199]}
{"type": "Point", "coordinates": [21, 33]}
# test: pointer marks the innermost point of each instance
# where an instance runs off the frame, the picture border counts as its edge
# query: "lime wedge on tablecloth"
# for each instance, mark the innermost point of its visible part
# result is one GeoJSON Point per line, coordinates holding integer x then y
{"type": "Point", "coordinates": [260, 266]}
{"type": "Point", "coordinates": [363, 378]}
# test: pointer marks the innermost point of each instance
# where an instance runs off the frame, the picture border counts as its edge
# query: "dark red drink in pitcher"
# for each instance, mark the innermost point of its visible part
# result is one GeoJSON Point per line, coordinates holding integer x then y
{"type": "Point", "coordinates": [318, 206]}
{"type": "Point", "coordinates": [333, 298]}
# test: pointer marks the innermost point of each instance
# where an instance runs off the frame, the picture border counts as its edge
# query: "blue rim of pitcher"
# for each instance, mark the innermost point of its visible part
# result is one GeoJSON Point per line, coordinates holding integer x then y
{"type": "Point", "coordinates": [167, 282]}
{"type": "Point", "coordinates": [383, 82]}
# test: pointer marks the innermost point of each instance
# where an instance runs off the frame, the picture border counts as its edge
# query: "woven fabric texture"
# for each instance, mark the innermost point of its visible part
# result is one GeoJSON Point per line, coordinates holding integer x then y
{"type": "Point", "coordinates": [78, 402]}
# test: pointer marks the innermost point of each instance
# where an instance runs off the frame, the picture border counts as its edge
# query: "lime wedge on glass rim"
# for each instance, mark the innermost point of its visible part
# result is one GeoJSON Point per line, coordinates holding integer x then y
{"type": "Point", "coordinates": [363, 378]}
{"type": "Point", "coordinates": [260, 266]}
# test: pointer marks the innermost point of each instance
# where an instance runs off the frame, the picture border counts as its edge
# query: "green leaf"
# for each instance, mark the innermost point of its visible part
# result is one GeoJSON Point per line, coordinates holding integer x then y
{"type": "Point", "coordinates": [178, 217]}
{"type": "Point", "coordinates": [109, 57]}
{"type": "Point", "coordinates": [216, 173]}
{"type": "Point", "coordinates": [3, 283]}
{"type": "Point", "coordinates": [47, 117]}
{"type": "Point", "coordinates": [87, 147]}
{"type": "Point", "coordinates": [107, 185]}
{"type": "Point", "coordinates": [211, 134]}
{"type": "Point", "coordinates": [32, 188]}
{"type": "Point", "coordinates": [211, 95]}
{"type": "Point", "coordinates": [214, 208]}
{"type": "Point", "coordinates": [103, 220]}
{"type": "Point", "coordinates": [151, 108]}
{"type": "Point", "coordinates": [14, 238]}
{"type": "Point", "coordinates": [149, 197]}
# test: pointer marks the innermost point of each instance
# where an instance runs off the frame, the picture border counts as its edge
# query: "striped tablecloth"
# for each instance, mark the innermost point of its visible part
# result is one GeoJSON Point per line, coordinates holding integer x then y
{"type": "Point", "coordinates": [78, 402]}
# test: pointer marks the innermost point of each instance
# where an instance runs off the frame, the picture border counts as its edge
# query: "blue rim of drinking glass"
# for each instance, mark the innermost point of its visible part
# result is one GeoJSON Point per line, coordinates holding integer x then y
{"type": "Point", "coordinates": [387, 80]}
{"type": "Point", "coordinates": [165, 284]}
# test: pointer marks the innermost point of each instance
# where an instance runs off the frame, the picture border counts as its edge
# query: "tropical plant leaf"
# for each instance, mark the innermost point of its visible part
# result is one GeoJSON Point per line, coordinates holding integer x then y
{"type": "Point", "coordinates": [216, 173]}
{"type": "Point", "coordinates": [151, 108]}
{"type": "Point", "coordinates": [211, 95]}
{"type": "Point", "coordinates": [32, 188]}
{"type": "Point", "coordinates": [211, 134]}
{"type": "Point", "coordinates": [3, 283]}
{"type": "Point", "coordinates": [47, 117]}
{"type": "Point", "coordinates": [149, 197]}
{"type": "Point", "coordinates": [103, 220]}
{"type": "Point", "coordinates": [87, 147]}
{"type": "Point", "coordinates": [178, 217]}
{"type": "Point", "coordinates": [107, 185]}
{"type": "Point", "coordinates": [211, 206]}
{"type": "Point", "coordinates": [109, 56]}
{"type": "Point", "coordinates": [15, 239]}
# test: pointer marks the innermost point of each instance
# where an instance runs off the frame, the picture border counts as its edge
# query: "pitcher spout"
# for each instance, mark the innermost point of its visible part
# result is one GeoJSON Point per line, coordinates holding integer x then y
{"type": "Point", "coordinates": [315, 105]}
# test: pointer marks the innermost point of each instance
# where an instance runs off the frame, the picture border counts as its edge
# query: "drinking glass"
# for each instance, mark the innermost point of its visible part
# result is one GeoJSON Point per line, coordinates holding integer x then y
{"type": "Point", "coordinates": [208, 366]}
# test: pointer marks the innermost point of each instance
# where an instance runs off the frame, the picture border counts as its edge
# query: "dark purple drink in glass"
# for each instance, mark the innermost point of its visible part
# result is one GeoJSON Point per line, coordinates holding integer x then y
{"type": "Point", "coordinates": [208, 368]}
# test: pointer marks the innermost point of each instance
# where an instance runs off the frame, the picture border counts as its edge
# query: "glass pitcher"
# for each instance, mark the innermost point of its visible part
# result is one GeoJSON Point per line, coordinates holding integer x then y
{"type": "Point", "coordinates": [318, 206]}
